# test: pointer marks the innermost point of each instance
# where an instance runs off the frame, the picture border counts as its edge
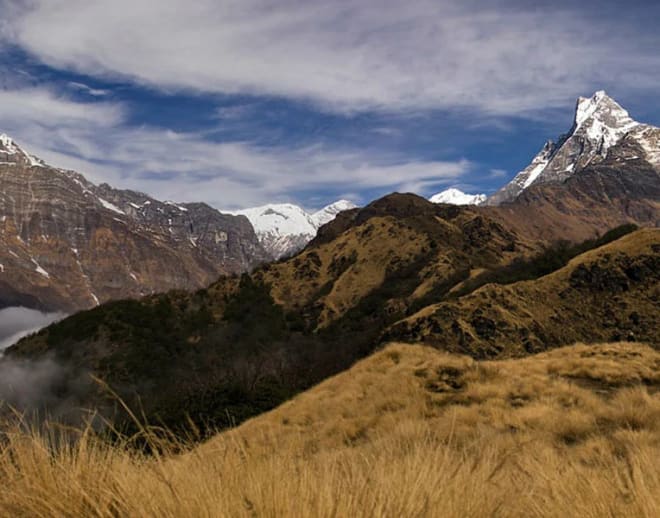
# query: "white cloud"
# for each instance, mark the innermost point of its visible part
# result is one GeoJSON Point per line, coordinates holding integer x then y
{"type": "Point", "coordinates": [94, 92]}
{"type": "Point", "coordinates": [43, 106]}
{"type": "Point", "coordinates": [94, 139]}
{"type": "Point", "coordinates": [341, 54]}
{"type": "Point", "coordinates": [186, 167]}
{"type": "Point", "coordinates": [498, 173]}
{"type": "Point", "coordinates": [348, 54]}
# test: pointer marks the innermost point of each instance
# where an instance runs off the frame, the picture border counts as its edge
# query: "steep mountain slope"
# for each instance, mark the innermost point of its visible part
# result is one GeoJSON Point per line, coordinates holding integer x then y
{"type": "Point", "coordinates": [610, 293]}
{"type": "Point", "coordinates": [66, 244]}
{"type": "Point", "coordinates": [284, 229]}
{"type": "Point", "coordinates": [457, 197]}
{"type": "Point", "coordinates": [622, 188]}
{"type": "Point", "coordinates": [600, 125]}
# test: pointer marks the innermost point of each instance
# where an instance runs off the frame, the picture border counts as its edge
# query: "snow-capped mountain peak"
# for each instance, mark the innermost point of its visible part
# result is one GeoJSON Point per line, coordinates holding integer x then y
{"type": "Point", "coordinates": [11, 153]}
{"type": "Point", "coordinates": [457, 197]}
{"type": "Point", "coordinates": [602, 119]}
{"type": "Point", "coordinates": [586, 106]}
{"type": "Point", "coordinates": [284, 228]}
{"type": "Point", "coordinates": [280, 219]}
{"type": "Point", "coordinates": [599, 124]}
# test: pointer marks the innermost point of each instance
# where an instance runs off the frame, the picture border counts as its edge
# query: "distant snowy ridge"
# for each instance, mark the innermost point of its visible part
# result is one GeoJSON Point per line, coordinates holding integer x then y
{"type": "Point", "coordinates": [284, 228]}
{"type": "Point", "coordinates": [457, 197]}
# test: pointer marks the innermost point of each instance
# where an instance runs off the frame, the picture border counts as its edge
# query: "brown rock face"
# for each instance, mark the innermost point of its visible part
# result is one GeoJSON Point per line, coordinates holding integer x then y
{"type": "Point", "coordinates": [623, 188]}
{"type": "Point", "coordinates": [67, 244]}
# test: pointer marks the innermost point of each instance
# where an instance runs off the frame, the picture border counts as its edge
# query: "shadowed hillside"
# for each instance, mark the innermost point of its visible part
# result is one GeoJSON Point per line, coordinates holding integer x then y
{"type": "Point", "coordinates": [246, 344]}
{"type": "Point", "coordinates": [609, 293]}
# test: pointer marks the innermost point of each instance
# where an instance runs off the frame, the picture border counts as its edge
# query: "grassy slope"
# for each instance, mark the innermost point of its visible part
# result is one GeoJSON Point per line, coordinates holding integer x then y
{"type": "Point", "coordinates": [397, 238]}
{"type": "Point", "coordinates": [409, 431]}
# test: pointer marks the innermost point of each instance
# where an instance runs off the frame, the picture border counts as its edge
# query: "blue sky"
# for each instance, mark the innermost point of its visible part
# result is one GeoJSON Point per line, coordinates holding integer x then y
{"type": "Point", "coordinates": [243, 102]}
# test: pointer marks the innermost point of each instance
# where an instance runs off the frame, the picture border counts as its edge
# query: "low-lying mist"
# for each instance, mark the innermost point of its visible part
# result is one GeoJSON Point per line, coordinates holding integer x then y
{"type": "Point", "coordinates": [43, 387]}
{"type": "Point", "coordinates": [17, 322]}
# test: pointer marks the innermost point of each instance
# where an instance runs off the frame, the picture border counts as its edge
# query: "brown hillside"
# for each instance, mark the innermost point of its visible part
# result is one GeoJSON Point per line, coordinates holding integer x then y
{"type": "Point", "coordinates": [252, 343]}
{"type": "Point", "coordinates": [614, 192]}
{"type": "Point", "coordinates": [607, 294]}
{"type": "Point", "coordinates": [402, 237]}
{"type": "Point", "coordinates": [461, 398]}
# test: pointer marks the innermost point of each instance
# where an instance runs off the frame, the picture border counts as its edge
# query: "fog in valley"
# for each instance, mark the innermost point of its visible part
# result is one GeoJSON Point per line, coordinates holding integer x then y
{"type": "Point", "coordinates": [17, 322]}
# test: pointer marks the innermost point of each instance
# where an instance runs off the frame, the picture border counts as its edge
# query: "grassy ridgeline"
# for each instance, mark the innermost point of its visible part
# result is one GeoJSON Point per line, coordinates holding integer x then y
{"type": "Point", "coordinates": [549, 260]}
{"type": "Point", "coordinates": [407, 432]}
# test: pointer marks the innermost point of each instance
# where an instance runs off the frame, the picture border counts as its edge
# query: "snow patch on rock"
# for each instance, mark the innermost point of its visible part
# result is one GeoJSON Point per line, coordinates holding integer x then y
{"type": "Point", "coordinates": [111, 206]}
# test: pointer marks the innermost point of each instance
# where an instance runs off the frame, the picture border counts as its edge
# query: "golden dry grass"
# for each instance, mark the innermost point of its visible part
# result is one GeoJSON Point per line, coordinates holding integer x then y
{"type": "Point", "coordinates": [409, 431]}
{"type": "Point", "coordinates": [296, 282]}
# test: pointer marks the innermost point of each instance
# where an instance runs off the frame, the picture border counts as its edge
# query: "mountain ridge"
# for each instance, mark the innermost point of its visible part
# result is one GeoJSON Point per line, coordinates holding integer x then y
{"type": "Point", "coordinates": [113, 243]}
{"type": "Point", "coordinates": [68, 244]}
{"type": "Point", "coordinates": [254, 341]}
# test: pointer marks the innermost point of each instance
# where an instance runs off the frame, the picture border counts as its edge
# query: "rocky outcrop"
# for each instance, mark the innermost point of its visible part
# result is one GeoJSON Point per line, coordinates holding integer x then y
{"type": "Point", "coordinates": [604, 173]}
{"type": "Point", "coordinates": [67, 244]}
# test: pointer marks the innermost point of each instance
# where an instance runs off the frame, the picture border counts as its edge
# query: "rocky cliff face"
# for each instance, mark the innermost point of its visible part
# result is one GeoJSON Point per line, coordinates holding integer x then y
{"type": "Point", "coordinates": [622, 188]}
{"type": "Point", "coordinates": [68, 244]}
